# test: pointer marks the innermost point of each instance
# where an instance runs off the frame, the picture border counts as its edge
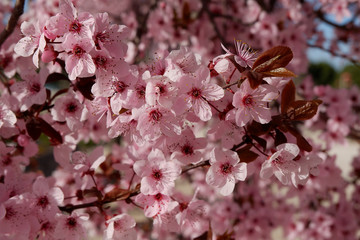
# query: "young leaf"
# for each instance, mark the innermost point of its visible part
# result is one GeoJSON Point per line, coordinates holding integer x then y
{"type": "Point", "coordinates": [287, 96]}
{"type": "Point", "coordinates": [48, 130]}
{"type": "Point", "coordinates": [302, 110]}
{"type": "Point", "coordinates": [274, 58]}
{"type": "Point", "coordinates": [33, 128]}
{"type": "Point", "coordinates": [246, 155]}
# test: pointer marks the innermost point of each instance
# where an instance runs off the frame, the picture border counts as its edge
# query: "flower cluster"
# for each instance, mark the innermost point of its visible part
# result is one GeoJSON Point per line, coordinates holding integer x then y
{"type": "Point", "coordinates": [195, 148]}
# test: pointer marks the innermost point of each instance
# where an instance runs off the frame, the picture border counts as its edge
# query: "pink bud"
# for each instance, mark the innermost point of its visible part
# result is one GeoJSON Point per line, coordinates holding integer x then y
{"type": "Point", "coordinates": [23, 140]}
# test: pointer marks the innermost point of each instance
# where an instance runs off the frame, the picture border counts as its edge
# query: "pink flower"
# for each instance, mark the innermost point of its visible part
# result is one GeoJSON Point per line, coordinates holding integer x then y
{"type": "Point", "coordinates": [156, 121]}
{"type": "Point", "coordinates": [282, 165]}
{"type": "Point", "coordinates": [157, 174]}
{"type": "Point", "coordinates": [78, 61]}
{"type": "Point", "coordinates": [69, 22]}
{"type": "Point", "coordinates": [225, 170]}
{"type": "Point", "coordinates": [245, 55]}
{"type": "Point", "coordinates": [252, 104]}
{"type": "Point", "coordinates": [68, 108]}
{"type": "Point", "coordinates": [120, 227]}
{"type": "Point", "coordinates": [153, 204]}
{"type": "Point", "coordinates": [7, 117]}
{"type": "Point", "coordinates": [34, 41]}
{"type": "Point", "coordinates": [109, 37]}
{"type": "Point", "coordinates": [88, 163]}
{"type": "Point", "coordinates": [32, 90]}
{"type": "Point", "coordinates": [160, 90]}
{"type": "Point", "coordinates": [46, 199]}
{"type": "Point", "coordinates": [196, 92]}
{"type": "Point", "coordinates": [186, 148]}
{"type": "Point", "coordinates": [71, 226]}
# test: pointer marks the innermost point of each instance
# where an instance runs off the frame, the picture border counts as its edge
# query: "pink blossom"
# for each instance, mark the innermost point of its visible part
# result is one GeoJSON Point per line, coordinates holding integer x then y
{"type": "Point", "coordinates": [71, 226]}
{"type": "Point", "coordinates": [157, 174]}
{"type": "Point", "coordinates": [7, 117]}
{"type": "Point", "coordinates": [160, 90]}
{"type": "Point", "coordinates": [32, 43]}
{"type": "Point", "coordinates": [195, 92]}
{"type": "Point", "coordinates": [155, 121]}
{"type": "Point", "coordinates": [88, 163]}
{"type": "Point", "coordinates": [69, 22]}
{"type": "Point", "coordinates": [252, 104]}
{"type": "Point", "coordinates": [245, 55]}
{"type": "Point", "coordinates": [68, 108]}
{"type": "Point", "coordinates": [109, 37]}
{"type": "Point", "coordinates": [153, 204]}
{"type": "Point", "coordinates": [78, 61]}
{"type": "Point", "coordinates": [121, 227]}
{"type": "Point", "coordinates": [187, 149]}
{"type": "Point", "coordinates": [282, 165]}
{"type": "Point", "coordinates": [225, 170]}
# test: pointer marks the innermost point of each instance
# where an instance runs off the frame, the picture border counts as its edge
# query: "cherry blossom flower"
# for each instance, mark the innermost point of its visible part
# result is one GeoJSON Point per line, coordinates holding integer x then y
{"type": "Point", "coordinates": [157, 174]}
{"type": "Point", "coordinates": [46, 199]}
{"type": "Point", "coordinates": [160, 90]}
{"type": "Point", "coordinates": [245, 55]}
{"type": "Point", "coordinates": [252, 104]}
{"type": "Point", "coordinates": [153, 204]}
{"type": "Point", "coordinates": [68, 108]}
{"type": "Point", "coordinates": [120, 227]}
{"type": "Point", "coordinates": [71, 227]}
{"type": "Point", "coordinates": [69, 22]}
{"type": "Point", "coordinates": [195, 92]}
{"type": "Point", "coordinates": [78, 61]}
{"type": "Point", "coordinates": [155, 121]}
{"type": "Point", "coordinates": [7, 117]}
{"type": "Point", "coordinates": [32, 43]}
{"type": "Point", "coordinates": [88, 163]}
{"type": "Point", "coordinates": [225, 170]}
{"type": "Point", "coordinates": [109, 37]}
{"type": "Point", "coordinates": [187, 149]}
{"type": "Point", "coordinates": [282, 165]}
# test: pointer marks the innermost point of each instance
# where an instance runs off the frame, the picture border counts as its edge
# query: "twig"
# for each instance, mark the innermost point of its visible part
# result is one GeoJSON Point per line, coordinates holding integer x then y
{"type": "Point", "coordinates": [15, 15]}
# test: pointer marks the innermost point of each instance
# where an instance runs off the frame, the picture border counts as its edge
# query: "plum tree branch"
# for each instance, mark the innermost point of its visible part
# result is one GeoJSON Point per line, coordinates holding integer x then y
{"type": "Point", "coordinates": [15, 15]}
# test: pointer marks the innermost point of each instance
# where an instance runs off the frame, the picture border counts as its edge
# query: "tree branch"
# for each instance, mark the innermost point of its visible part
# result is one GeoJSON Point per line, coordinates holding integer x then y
{"type": "Point", "coordinates": [15, 15]}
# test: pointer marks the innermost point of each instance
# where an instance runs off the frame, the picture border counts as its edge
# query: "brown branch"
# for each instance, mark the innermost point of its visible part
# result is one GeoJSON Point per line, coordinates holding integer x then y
{"type": "Point", "coordinates": [193, 166]}
{"type": "Point", "coordinates": [15, 15]}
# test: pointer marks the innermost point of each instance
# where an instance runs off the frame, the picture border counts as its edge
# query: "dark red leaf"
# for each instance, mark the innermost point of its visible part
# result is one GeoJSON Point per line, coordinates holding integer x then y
{"type": "Point", "coordinates": [274, 58]}
{"type": "Point", "coordinates": [300, 140]}
{"type": "Point", "coordinates": [84, 85]}
{"type": "Point", "coordinates": [287, 96]}
{"type": "Point", "coordinates": [54, 77]}
{"type": "Point", "coordinates": [33, 128]}
{"type": "Point", "coordinates": [246, 155]}
{"type": "Point", "coordinates": [48, 130]}
{"type": "Point", "coordinates": [117, 194]}
{"type": "Point", "coordinates": [260, 141]}
{"type": "Point", "coordinates": [280, 137]}
{"type": "Point", "coordinates": [302, 110]}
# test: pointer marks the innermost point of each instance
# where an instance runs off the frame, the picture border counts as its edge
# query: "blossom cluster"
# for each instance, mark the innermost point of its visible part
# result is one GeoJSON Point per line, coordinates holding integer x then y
{"type": "Point", "coordinates": [189, 141]}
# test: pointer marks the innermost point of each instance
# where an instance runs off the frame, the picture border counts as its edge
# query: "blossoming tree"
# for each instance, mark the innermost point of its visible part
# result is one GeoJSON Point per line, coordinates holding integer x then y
{"type": "Point", "coordinates": [161, 127]}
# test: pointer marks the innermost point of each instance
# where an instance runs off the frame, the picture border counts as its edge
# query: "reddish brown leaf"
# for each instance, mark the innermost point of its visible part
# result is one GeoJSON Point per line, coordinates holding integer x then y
{"type": "Point", "coordinates": [84, 85]}
{"type": "Point", "coordinates": [260, 141]}
{"type": "Point", "coordinates": [48, 130]}
{"type": "Point", "coordinates": [255, 78]}
{"type": "Point", "coordinates": [92, 192]}
{"type": "Point", "coordinates": [287, 96]}
{"type": "Point", "coordinates": [246, 155]}
{"type": "Point", "coordinates": [279, 72]}
{"type": "Point", "coordinates": [302, 110]}
{"type": "Point", "coordinates": [33, 128]}
{"type": "Point", "coordinates": [300, 140]}
{"type": "Point", "coordinates": [54, 77]}
{"type": "Point", "coordinates": [280, 137]}
{"type": "Point", "coordinates": [276, 57]}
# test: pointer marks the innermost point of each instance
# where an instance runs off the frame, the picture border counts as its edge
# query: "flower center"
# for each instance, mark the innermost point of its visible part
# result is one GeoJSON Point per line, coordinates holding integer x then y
{"type": "Point", "coordinates": [248, 100]}
{"type": "Point", "coordinates": [158, 196]}
{"type": "Point", "coordinates": [160, 89]}
{"type": "Point", "coordinates": [120, 86]}
{"type": "Point", "coordinates": [187, 150]}
{"type": "Point", "coordinates": [100, 61]}
{"type": "Point", "coordinates": [71, 222]}
{"type": "Point", "coordinates": [75, 26]}
{"type": "Point", "coordinates": [155, 115]}
{"type": "Point", "coordinates": [10, 212]}
{"type": "Point", "coordinates": [78, 51]}
{"type": "Point", "coordinates": [226, 168]}
{"type": "Point", "coordinates": [195, 93]}
{"type": "Point", "coordinates": [140, 91]}
{"type": "Point", "coordinates": [35, 88]}
{"type": "Point", "coordinates": [71, 107]}
{"type": "Point", "coordinates": [43, 201]}
{"type": "Point", "coordinates": [157, 174]}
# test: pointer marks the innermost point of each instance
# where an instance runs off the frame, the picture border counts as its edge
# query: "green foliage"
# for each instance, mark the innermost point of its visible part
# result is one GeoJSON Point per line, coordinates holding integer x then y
{"type": "Point", "coordinates": [322, 73]}
{"type": "Point", "coordinates": [354, 72]}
